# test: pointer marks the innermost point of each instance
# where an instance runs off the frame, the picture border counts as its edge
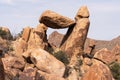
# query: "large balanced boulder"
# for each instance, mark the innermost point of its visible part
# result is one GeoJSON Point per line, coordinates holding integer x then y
{"type": "Point", "coordinates": [47, 63]}
{"type": "Point", "coordinates": [55, 20]}
{"type": "Point", "coordinates": [98, 71]}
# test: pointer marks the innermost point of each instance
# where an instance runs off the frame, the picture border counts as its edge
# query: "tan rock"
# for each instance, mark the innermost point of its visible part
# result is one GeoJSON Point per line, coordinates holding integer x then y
{"type": "Point", "coordinates": [28, 74]}
{"type": "Point", "coordinates": [38, 37]}
{"type": "Point", "coordinates": [55, 39]}
{"type": "Point", "coordinates": [45, 76]}
{"type": "Point", "coordinates": [1, 70]}
{"type": "Point", "coordinates": [82, 13]}
{"type": "Point", "coordinates": [105, 55]}
{"type": "Point", "coordinates": [47, 63]}
{"type": "Point", "coordinates": [77, 38]}
{"type": "Point", "coordinates": [19, 46]}
{"type": "Point", "coordinates": [12, 66]}
{"type": "Point", "coordinates": [55, 20]}
{"type": "Point", "coordinates": [26, 33]}
{"type": "Point", "coordinates": [98, 71]}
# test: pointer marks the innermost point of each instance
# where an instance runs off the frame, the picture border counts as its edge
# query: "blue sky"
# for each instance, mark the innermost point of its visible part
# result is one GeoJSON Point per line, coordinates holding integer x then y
{"type": "Point", "coordinates": [104, 15]}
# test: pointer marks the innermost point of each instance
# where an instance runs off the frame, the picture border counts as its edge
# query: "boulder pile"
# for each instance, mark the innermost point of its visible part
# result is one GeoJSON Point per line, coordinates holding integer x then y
{"type": "Point", "coordinates": [61, 57]}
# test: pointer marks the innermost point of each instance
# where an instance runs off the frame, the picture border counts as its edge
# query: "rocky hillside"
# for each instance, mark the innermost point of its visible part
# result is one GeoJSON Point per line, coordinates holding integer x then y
{"type": "Point", "coordinates": [73, 56]}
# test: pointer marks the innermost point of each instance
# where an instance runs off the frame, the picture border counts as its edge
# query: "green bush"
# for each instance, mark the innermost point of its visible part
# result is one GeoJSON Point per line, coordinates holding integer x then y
{"type": "Point", "coordinates": [60, 55]}
{"type": "Point", "coordinates": [115, 69]}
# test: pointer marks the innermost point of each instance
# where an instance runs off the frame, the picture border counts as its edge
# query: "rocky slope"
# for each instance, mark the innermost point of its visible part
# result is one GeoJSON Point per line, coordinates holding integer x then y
{"type": "Point", "coordinates": [72, 56]}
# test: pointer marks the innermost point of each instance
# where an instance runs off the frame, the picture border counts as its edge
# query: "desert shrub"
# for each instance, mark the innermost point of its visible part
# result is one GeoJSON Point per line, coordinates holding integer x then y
{"type": "Point", "coordinates": [2, 33]}
{"type": "Point", "coordinates": [115, 69]}
{"type": "Point", "coordinates": [60, 55]}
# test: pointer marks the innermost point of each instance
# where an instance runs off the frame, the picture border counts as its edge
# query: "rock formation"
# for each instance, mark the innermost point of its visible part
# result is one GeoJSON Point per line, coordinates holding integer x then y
{"type": "Point", "coordinates": [73, 55]}
{"type": "Point", "coordinates": [55, 20]}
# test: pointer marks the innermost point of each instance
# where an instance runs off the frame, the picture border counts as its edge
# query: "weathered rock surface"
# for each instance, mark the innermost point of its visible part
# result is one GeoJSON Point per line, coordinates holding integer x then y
{"type": "Point", "coordinates": [55, 39]}
{"type": "Point", "coordinates": [82, 13]}
{"type": "Point", "coordinates": [98, 71]}
{"type": "Point", "coordinates": [47, 63]}
{"type": "Point", "coordinates": [26, 33]}
{"type": "Point", "coordinates": [77, 37]}
{"type": "Point", "coordinates": [45, 76]}
{"type": "Point", "coordinates": [12, 66]}
{"type": "Point", "coordinates": [28, 74]}
{"type": "Point", "coordinates": [55, 20]}
{"type": "Point", "coordinates": [19, 47]}
{"type": "Point", "coordinates": [105, 56]}
{"type": "Point", "coordinates": [38, 37]}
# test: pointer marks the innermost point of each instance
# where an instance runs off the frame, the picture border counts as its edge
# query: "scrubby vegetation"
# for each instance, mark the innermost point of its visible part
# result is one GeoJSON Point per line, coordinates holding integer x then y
{"type": "Point", "coordinates": [60, 55]}
{"type": "Point", "coordinates": [115, 69]}
{"type": "Point", "coordinates": [2, 33]}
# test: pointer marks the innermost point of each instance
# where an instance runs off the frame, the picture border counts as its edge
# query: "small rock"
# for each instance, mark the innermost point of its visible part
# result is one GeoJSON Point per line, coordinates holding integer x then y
{"type": "Point", "coordinates": [82, 13]}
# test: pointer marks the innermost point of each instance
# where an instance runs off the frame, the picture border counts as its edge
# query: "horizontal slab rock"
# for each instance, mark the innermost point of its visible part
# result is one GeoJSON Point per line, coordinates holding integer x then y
{"type": "Point", "coordinates": [55, 20]}
{"type": "Point", "coordinates": [47, 63]}
{"type": "Point", "coordinates": [45, 76]}
{"type": "Point", "coordinates": [82, 13]}
{"type": "Point", "coordinates": [98, 71]}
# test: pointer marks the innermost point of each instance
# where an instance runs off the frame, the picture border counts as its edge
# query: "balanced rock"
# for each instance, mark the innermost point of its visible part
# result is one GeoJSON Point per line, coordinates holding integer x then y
{"type": "Point", "coordinates": [82, 13]}
{"type": "Point", "coordinates": [47, 63]}
{"type": "Point", "coordinates": [45, 76]}
{"type": "Point", "coordinates": [55, 20]}
{"type": "Point", "coordinates": [98, 71]}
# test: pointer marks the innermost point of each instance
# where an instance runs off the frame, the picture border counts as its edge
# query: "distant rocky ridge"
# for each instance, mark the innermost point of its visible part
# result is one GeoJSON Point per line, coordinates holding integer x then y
{"type": "Point", "coordinates": [32, 56]}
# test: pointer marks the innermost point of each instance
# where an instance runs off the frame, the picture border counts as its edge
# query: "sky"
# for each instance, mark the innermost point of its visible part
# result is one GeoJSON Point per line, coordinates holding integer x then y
{"type": "Point", "coordinates": [104, 15]}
